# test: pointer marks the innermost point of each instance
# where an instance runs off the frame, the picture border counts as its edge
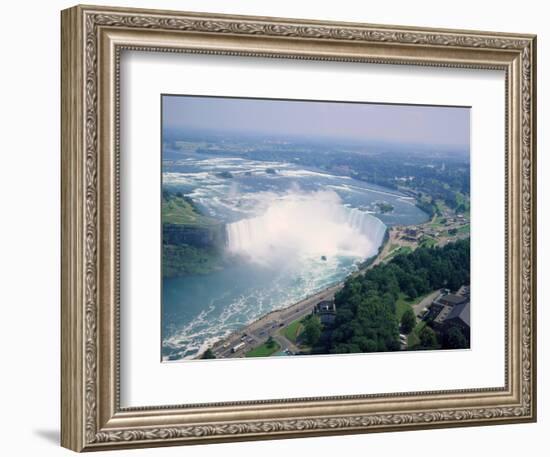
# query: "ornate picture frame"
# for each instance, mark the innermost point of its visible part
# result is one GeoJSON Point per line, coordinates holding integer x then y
{"type": "Point", "coordinates": [93, 39]}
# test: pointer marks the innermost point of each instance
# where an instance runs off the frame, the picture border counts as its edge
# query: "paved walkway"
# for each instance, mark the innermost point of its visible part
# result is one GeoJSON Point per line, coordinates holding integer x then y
{"type": "Point", "coordinates": [285, 343]}
{"type": "Point", "coordinates": [270, 324]}
{"type": "Point", "coordinates": [425, 302]}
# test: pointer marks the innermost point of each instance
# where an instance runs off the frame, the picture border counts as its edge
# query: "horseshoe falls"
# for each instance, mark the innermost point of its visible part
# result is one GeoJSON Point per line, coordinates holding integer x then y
{"type": "Point", "coordinates": [299, 225]}
{"type": "Point", "coordinates": [289, 235]}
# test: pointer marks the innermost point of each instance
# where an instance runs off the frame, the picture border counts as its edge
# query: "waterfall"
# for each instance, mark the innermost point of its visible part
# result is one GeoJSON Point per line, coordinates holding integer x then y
{"type": "Point", "coordinates": [245, 233]}
{"type": "Point", "coordinates": [367, 224]}
{"type": "Point", "coordinates": [311, 225]}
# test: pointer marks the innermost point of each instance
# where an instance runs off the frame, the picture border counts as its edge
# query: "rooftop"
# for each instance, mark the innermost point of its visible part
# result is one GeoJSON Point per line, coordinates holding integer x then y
{"type": "Point", "coordinates": [452, 299]}
{"type": "Point", "coordinates": [325, 306]}
{"type": "Point", "coordinates": [461, 312]}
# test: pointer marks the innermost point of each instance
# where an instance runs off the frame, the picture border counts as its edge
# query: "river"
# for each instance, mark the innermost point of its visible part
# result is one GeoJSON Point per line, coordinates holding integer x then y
{"type": "Point", "coordinates": [292, 232]}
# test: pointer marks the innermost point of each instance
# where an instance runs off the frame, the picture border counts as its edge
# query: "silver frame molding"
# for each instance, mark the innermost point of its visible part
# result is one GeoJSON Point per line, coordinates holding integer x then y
{"type": "Point", "coordinates": [92, 41]}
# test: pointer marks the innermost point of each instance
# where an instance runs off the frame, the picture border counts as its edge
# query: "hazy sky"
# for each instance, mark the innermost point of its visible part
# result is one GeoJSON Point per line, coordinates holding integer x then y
{"type": "Point", "coordinates": [396, 123]}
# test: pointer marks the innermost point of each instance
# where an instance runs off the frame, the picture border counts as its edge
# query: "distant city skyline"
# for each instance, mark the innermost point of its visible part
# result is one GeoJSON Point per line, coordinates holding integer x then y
{"type": "Point", "coordinates": [415, 124]}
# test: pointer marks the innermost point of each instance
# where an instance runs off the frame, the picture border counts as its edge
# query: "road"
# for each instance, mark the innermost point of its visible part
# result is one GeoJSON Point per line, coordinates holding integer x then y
{"type": "Point", "coordinates": [425, 303]}
{"type": "Point", "coordinates": [259, 331]}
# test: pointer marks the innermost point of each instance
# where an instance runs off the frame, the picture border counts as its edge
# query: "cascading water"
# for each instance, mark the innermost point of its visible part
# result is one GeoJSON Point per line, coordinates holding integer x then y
{"type": "Point", "coordinates": [305, 225]}
{"type": "Point", "coordinates": [296, 233]}
{"type": "Point", "coordinates": [367, 224]}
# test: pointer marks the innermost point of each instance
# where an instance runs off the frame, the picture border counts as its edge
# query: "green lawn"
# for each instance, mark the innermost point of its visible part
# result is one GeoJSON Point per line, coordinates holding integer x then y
{"type": "Point", "coordinates": [292, 330]}
{"type": "Point", "coordinates": [179, 210]}
{"type": "Point", "coordinates": [463, 229]}
{"type": "Point", "coordinates": [403, 303]}
{"type": "Point", "coordinates": [401, 250]}
{"type": "Point", "coordinates": [264, 350]}
{"type": "Point", "coordinates": [393, 247]}
{"type": "Point", "coordinates": [428, 242]}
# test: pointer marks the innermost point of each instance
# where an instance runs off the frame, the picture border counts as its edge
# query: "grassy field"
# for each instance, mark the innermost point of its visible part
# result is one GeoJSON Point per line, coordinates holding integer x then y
{"type": "Point", "coordinates": [401, 250]}
{"type": "Point", "coordinates": [181, 253]}
{"type": "Point", "coordinates": [428, 242]}
{"type": "Point", "coordinates": [178, 210]}
{"type": "Point", "coordinates": [292, 330]}
{"type": "Point", "coordinates": [403, 303]}
{"type": "Point", "coordinates": [264, 350]}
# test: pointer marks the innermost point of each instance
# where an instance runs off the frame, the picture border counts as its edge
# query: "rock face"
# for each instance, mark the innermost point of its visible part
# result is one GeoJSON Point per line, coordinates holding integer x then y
{"type": "Point", "coordinates": [212, 236]}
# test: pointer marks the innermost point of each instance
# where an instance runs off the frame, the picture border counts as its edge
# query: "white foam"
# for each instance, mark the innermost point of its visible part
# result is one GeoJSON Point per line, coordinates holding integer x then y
{"type": "Point", "coordinates": [303, 224]}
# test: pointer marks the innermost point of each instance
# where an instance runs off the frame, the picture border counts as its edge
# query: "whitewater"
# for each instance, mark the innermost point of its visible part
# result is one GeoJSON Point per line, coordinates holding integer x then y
{"type": "Point", "coordinates": [289, 235]}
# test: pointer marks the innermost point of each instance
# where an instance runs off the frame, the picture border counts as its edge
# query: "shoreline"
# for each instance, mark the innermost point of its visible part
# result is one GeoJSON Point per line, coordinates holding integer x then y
{"type": "Point", "coordinates": [259, 330]}
{"type": "Point", "coordinates": [241, 341]}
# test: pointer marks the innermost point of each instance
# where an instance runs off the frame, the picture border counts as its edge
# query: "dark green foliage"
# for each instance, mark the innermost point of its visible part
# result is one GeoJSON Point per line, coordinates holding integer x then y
{"type": "Point", "coordinates": [208, 354]}
{"type": "Point", "coordinates": [312, 330]}
{"type": "Point", "coordinates": [385, 207]}
{"type": "Point", "coordinates": [365, 308]}
{"type": "Point", "coordinates": [456, 338]}
{"type": "Point", "coordinates": [181, 260]}
{"type": "Point", "coordinates": [428, 339]}
{"type": "Point", "coordinates": [408, 321]}
{"type": "Point", "coordinates": [270, 342]}
{"type": "Point", "coordinates": [427, 206]}
{"type": "Point", "coordinates": [411, 291]}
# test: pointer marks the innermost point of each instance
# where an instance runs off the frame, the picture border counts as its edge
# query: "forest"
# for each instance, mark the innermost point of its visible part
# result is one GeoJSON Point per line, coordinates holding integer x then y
{"type": "Point", "coordinates": [366, 318]}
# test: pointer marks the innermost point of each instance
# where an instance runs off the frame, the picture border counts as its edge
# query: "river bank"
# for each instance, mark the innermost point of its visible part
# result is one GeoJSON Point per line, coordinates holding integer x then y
{"type": "Point", "coordinates": [398, 239]}
{"type": "Point", "coordinates": [238, 343]}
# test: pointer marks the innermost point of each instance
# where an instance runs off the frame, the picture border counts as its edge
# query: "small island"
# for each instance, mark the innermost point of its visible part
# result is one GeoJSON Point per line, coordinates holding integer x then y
{"type": "Point", "coordinates": [384, 207]}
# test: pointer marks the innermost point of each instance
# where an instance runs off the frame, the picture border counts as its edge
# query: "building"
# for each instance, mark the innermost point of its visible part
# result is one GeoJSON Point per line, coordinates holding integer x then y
{"type": "Point", "coordinates": [326, 311]}
{"type": "Point", "coordinates": [411, 234]}
{"type": "Point", "coordinates": [460, 316]}
{"type": "Point", "coordinates": [452, 309]}
{"type": "Point", "coordinates": [450, 300]}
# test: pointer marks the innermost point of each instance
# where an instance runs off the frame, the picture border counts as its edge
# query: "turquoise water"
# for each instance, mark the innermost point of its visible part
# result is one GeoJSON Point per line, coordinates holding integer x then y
{"type": "Point", "coordinates": [290, 235]}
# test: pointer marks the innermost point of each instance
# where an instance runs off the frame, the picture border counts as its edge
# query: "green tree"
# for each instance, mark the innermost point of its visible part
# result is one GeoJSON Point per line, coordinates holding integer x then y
{"type": "Point", "coordinates": [428, 338]}
{"type": "Point", "coordinates": [411, 291]}
{"type": "Point", "coordinates": [270, 342]}
{"type": "Point", "coordinates": [455, 339]}
{"type": "Point", "coordinates": [312, 330]}
{"type": "Point", "coordinates": [408, 321]}
{"type": "Point", "coordinates": [365, 307]}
